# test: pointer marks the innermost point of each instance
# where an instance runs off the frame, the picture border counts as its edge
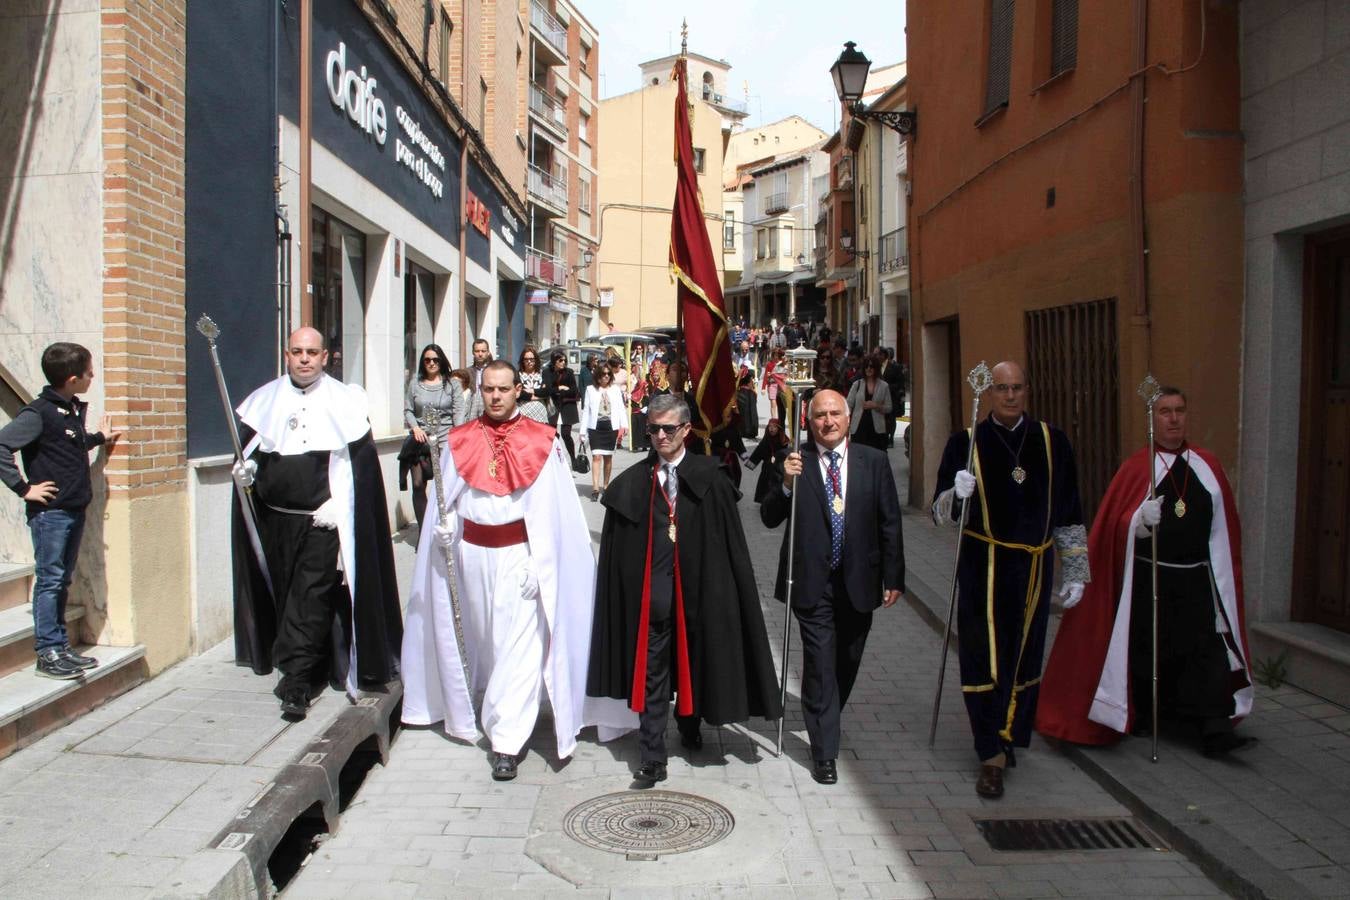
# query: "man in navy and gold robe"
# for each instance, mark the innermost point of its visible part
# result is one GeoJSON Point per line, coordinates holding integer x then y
{"type": "Point", "coordinates": [1024, 511]}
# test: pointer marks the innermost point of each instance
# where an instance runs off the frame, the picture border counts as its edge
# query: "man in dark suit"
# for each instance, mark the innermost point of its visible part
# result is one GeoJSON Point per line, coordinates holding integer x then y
{"type": "Point", "coordinates": [848, 559]}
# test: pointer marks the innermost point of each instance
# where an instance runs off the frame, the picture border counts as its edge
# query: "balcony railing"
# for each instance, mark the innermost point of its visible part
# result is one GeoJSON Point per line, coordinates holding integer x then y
{"type": "Point", "coordinates": [893, 251]}
{"type": "Point", "coordinates": [545, 267]}
{"type": "Point", "coordinates": [550, 188]}
{"type": "Point", "coordinates": [544, 105]}
{"type": "Point", "coordinates": [723, 101]}
{"type": "Point", "coordinates": [775, 203]}
{"type": "Point", "coordinates": [553, 31]}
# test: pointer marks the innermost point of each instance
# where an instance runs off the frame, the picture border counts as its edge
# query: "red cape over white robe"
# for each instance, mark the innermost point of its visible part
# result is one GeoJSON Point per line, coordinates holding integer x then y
{"type": "Point", "coordinates": [1085, 691]}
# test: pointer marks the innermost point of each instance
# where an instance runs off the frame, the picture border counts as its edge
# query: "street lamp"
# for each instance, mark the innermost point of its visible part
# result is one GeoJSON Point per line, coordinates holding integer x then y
{"type": "Point", "coordinates": [850, 79]}
{"type": "Point", "coordinates": [846, 244]}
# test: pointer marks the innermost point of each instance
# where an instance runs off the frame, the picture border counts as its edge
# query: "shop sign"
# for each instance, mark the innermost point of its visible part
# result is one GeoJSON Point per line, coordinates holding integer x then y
{"type": "Point", "coordinates": [356, 94]}
{"type": "Point", "coordinates": [561, 306]}
{"type": "Point", "coordinates": [479, 215]}
{"type": "Point", "coordinates": [606, 298]}
{"type": "Point", "coordinates": [538, 298]}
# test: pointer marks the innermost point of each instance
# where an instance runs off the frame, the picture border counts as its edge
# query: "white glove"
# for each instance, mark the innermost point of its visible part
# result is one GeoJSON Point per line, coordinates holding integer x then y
{"type": "Point", "coordinates": [245, 473]}
{"type": "Point", "coordinates": [443, 535]}
{"type": "Point", "coordinates": [326, 516]}
{"type": "Point", "coordinates": [1072, 593]}
{"type": "Point", "coordinates": [1150, 512]}
{"type": "Point", "coordinates": [964, 485]}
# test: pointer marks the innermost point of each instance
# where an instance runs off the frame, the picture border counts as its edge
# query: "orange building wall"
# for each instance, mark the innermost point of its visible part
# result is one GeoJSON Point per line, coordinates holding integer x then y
{"type": "Point", "coordinates": [986, 247]}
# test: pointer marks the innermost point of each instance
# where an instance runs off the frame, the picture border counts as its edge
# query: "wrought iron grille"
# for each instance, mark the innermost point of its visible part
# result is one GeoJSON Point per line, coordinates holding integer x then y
{"type": "Point", "coordinates": [1073, 369]}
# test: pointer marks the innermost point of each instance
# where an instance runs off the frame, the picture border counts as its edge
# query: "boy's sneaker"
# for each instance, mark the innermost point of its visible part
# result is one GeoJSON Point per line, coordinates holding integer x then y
{"type": "Point", "coordinates": [78, 661]}
{"type": "Point", "coordinates": [53, 664]}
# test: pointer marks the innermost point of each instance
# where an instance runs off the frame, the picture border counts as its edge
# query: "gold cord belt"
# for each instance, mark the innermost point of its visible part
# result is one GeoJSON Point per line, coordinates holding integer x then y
{"type": "Point", "coordinates": [1035, 580]}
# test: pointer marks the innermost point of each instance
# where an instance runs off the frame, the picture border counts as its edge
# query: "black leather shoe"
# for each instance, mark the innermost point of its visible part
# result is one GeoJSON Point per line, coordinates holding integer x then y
{"type": "Point", "coordinates": [650, 773]}
{"type": "Point", "coordinates": [691, 738]}
{"type": "Point", "coordinates": [824, 771]}
{"type": "Point", "coordinates": [78, 660]}
{"type": "Point", "coordinates": [295, 702]}
{"type": "Point", "coordinates": [503, 767]}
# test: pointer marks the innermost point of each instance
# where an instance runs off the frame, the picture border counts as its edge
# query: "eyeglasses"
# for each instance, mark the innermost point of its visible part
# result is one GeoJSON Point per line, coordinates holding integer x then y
{"type": "Point", "coordinates": [430, 361]}
{"type": "Point", "coordinates": [654, 429]}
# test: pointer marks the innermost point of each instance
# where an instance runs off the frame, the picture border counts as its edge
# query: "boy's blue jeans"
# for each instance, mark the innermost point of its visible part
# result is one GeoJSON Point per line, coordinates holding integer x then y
{"type": "Point", "coordinates": [56, 547]}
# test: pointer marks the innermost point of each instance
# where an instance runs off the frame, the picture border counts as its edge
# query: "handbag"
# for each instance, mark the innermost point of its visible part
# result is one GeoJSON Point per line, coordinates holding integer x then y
{"type": "Point", "coordinates": [581, 463]}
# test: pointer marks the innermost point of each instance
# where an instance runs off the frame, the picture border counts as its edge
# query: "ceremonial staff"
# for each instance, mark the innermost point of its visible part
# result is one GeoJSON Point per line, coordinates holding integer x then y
{"type": "Point", "coordinates": [1150, 390]}
{"type": "Point", "coordinates": [980, 380]}
{"type": "Point", "coordinates": [210, 330]}
{"type": "Point", "coordinates": [798, 381]}
{"type": "Point", "coordinates": [432, 417]}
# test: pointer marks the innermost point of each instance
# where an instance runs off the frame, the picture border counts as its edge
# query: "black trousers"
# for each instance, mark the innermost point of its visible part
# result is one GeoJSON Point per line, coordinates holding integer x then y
{"type": "Point", "coordinates": [313, 601]}
{"type": "Point", "coordinates": [834, 634]}
{"type": "Point", "coordinates": [655, 715]}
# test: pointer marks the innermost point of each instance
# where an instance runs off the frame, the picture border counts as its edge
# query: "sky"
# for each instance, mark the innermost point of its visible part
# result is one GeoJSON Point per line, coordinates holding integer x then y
{"type": "Point", "coordinates": [784, 49]}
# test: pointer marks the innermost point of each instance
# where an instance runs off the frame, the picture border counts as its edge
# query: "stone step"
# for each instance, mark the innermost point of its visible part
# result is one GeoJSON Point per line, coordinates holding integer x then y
{"type": "Point", "coordinates": [16, 584]}
{"type": "Point", "coordinates": [31, 706]}
{"type": "Point", "coordinates": [16, 635]}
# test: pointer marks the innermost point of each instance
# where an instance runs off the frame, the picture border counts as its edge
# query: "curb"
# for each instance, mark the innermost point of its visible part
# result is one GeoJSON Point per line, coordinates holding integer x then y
{"type": "Point", "coordinates": [235, 862]}
{"type": "Point", "coordinates": [1219, 855]}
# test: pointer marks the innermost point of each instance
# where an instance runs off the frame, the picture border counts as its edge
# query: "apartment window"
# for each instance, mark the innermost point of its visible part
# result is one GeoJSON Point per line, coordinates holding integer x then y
{"type": "Point", "coordinates": [584, 193]}
{"type": "Point", "coordinates": [785, 247]}
{"type": "Point", "coordinates": [1063, 36]}
{"type": "Point", "coordinates": [699, 155]}
{"type": "Point", "coordinates": [761, 243]}
{"type": "Point", "coordinates": [559, 246]}
{"type": "Point", "coordinates": [584, 128]}
{"type": "Point", "coordinates": [773, 241]}
{"type": "Point", "coordinates": [445, 30]}
{"type": "Point", "coordinates": [998, 62]}
{"type": "Point", "coordinates": [729, 231]}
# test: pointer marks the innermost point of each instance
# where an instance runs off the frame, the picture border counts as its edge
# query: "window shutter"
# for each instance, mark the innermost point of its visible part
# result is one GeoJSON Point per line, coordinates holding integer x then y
{"type": "Point", "coordinates": [1064, 36]}
{"type": "Point", "coordinates": [1000, 54]}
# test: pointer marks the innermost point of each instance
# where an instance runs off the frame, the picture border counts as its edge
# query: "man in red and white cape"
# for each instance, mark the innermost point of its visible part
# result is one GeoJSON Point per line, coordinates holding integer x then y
{"type": "Point", "coordinates": [1098, 681]}
{"type": "Point", "coordinates": [525, 579]}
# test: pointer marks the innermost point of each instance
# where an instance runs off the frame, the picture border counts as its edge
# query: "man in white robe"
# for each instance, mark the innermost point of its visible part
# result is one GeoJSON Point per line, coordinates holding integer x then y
{"type": "Point", "coordinates": [523, 579]}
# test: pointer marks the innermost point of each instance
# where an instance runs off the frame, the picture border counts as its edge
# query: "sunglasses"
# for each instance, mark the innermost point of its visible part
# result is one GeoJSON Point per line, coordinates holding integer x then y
{"type": "Point", "coordinates": [430, 360]}
{"type": "Point", "coordinates": [668, 430]}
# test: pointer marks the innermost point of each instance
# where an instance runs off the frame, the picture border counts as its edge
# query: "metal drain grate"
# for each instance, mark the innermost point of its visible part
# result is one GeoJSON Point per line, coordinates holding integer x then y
{"type": "Point", "coordinates": [1011, 835]}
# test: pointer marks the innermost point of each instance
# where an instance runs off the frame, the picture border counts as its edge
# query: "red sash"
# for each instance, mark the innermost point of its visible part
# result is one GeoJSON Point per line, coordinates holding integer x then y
{"type": "Point", "coordinates": [684, 705]}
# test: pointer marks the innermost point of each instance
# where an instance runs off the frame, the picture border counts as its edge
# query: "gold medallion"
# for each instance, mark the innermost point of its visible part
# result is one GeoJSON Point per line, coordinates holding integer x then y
{"type": "Point", "coordinates": [492, 468]}
{"type": "Point", "coordinates": [1019, 474]}
{"type": "Point", "coordinates": [671, 531]}
{"type": "Point", "coordinates": [1180, 508]}
{"type": "Point", "coordinates": [838, 505]}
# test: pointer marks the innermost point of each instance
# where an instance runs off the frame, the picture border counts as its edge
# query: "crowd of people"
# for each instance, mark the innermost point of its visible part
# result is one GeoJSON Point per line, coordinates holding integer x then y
{"type": "Point", "coordinates": [510, 605]}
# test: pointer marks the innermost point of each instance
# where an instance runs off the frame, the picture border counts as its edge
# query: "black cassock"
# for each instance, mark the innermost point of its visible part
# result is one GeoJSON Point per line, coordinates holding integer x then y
{"type": "Point", "coordinates": [731, 667]}
{"type": "Point", "coordinates": [1002, 614]}
{"type": "Point", "coordinates": [302, 561]}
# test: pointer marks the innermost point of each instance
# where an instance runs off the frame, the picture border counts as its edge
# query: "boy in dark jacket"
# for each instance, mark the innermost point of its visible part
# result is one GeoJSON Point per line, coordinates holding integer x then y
{"type": "Point", "coordinates": [49, 434]}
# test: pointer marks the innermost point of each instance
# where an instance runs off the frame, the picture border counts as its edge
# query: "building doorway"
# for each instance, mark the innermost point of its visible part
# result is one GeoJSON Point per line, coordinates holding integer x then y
{"type": "Point", "coordinates": [1322, 546]}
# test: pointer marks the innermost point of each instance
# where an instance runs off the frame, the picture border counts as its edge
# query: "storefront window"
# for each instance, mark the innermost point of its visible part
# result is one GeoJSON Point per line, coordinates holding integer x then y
{"type": "Point", "coordinates": [417, 304]}
{"type": "Point", "coordinates": [338, 270]}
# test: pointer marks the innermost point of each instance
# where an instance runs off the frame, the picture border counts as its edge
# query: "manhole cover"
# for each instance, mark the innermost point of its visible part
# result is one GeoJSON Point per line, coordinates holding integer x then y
{"type": "Point", "coordinates": [1067, 834]}
{"type": "Point", "coordinates": [649, 823]}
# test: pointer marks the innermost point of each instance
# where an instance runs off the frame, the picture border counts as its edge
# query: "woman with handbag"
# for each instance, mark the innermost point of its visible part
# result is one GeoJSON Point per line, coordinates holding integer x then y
{"type": "Point", "coordinates": [560, 386]}
{"type": "Point", "coordinates": [531, 399]}
{"type": "Point", "coordinates": [431, 389]}
{"type": "Point", "coordinates": [606, 423]}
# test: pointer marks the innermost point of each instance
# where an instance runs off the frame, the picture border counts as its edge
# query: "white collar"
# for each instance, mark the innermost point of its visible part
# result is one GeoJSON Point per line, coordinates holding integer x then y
{"type": "Point", "coordinates": [676, 463]}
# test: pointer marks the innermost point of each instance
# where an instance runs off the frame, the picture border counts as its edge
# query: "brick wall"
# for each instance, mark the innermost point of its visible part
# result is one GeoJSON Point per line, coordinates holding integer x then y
{"type": "Point", "coordinates": [143, 59]}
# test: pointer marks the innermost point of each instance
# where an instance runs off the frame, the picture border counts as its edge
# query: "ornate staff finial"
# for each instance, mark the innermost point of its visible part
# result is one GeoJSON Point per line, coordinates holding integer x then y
{"type": "Point", "coordinates": [980, 378]}
{"type": "Point", "coordinates": [684, 37]}
{"type": "Point", "coordinates": [208, 328]}
{"type": "Point", "coordinates": [1150, 390]}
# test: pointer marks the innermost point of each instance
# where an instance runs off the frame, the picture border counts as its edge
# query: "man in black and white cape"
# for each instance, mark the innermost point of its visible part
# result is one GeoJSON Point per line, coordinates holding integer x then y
{"type": "Point", "coordinates": [331, 610]}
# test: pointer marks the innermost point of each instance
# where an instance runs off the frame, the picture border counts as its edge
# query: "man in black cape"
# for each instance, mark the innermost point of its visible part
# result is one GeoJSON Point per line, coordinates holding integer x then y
{"type": "Point", "coordinates": [1024, 511]}
{"type": "Point", "coordinates": [331, 610]}
{"type": "Point", "coordinates": [676, 599]}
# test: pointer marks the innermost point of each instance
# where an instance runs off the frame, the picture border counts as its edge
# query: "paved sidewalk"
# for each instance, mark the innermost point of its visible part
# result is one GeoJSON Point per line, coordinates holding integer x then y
{"type": "Point", "coordinates": [1269, 821]}
{"type": "Point", "coordinates": [899, 823]}
{"type": "Point", "coordinates": [119, 802]}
